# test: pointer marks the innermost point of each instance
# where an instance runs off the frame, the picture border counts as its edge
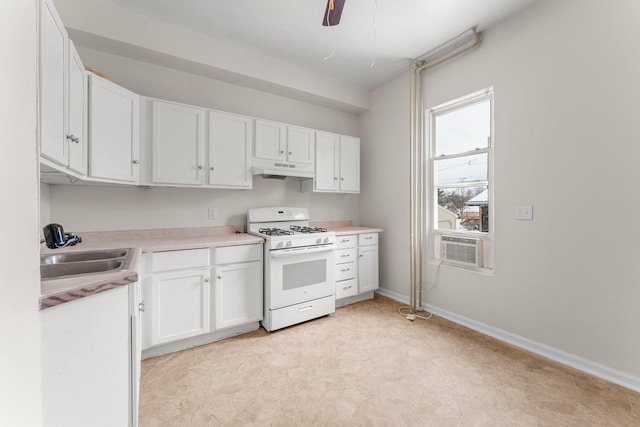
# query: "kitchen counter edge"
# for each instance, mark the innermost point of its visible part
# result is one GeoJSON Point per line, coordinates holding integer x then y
{"type": "Point", "coordinates": [59, 291]}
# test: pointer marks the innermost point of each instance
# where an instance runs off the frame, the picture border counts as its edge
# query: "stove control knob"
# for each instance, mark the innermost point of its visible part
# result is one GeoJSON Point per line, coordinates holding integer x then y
{"type": "Point", "coordinates": [289, 243]}
{"type": "Point", "coordinates": [280, 245]}
{"type": "Point", "coordinates": [326, 240]}
{"type": "Point", "coordinates": [319, 241]}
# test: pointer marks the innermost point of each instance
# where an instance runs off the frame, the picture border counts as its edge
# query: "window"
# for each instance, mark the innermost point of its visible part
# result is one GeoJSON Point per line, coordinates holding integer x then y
{"type": "Point", "coordinates": [460, 164]}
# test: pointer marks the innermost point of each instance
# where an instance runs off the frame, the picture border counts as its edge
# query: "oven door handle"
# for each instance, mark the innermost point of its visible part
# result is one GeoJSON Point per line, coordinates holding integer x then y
{"type": "Point", "coordinates": [300, 251]}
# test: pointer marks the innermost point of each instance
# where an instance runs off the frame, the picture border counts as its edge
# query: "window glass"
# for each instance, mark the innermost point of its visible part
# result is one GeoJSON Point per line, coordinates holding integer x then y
{"type": "Point", "coordinates": [458, 170]}
{"type": "Point", "coordinates": [463, 129]}
{"type": "Point", "coordinates": [463, 209]}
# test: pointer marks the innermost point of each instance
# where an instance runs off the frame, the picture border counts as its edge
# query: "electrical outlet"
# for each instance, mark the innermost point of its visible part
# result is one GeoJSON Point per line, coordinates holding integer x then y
{"type": "Point", "coordinates": [213, 213]}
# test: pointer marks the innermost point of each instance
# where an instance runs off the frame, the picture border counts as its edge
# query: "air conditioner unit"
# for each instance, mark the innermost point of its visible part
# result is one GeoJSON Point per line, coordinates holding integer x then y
{"type": "Point", "coordinates": [461, 250]}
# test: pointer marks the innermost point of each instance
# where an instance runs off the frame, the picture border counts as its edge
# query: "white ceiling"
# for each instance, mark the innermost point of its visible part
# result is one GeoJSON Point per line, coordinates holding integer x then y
{"type": "Point", "coordinates": [384, 33]}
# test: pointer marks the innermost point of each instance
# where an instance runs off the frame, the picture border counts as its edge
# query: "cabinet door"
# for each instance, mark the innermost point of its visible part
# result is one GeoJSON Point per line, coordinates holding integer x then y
{"type": "Point", "coordinates": [180, 303]}
{"type": "Point", "coordinates": [52, 91]}
{"type": "Point", "coordinates": [326, 175]}
{"type": "Point", "coordinates": [368, 279]}
{"type": "Point", "coordinates": [270, 140]}
{"type": "Point", "coordinates": [177, 144]}
{"type": "Point", "coordinates": [230, 139]}
{"type": "Point", "coordinates": [238, 294]}
{"type": "Point", "coordinates": [349, 164]}
{"type": "Point", "coordinates": [113, 131]}
{"type": "Point", "coordinates": [77, 112]}
{"type": "Point", "coordinates": [300, 145]}
{"type": "Point", "coordinates": [136, 308]}
{"type": "Point", "coordinates": [86, 357]}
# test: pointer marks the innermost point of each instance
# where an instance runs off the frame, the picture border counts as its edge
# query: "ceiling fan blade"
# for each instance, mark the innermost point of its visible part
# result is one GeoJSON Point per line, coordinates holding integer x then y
{"type": "Point", "coordinates": [332, 17]}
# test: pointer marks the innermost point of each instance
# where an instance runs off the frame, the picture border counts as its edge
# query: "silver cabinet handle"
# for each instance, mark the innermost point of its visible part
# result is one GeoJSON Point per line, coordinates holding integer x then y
{"type": "Point", "coordinates": [335, 178]}
{"type": "Point", "coordinates": [73, 138]}
{"type": "Point", "coordinates": [219, 277]}
{"type": "Point", "coordinates": [289, 152]}
{"type": "Point", "coordinates": [344, 241]}
{"type": "Point", "coordinates": [141, 306]}
{"type": "Point", "coordinates": [344, 256]}
{"type": "Point", "coordinates": [341, 179]}
{"type": "Point", "coordinates": [199, 167]}
{"type": "Point", "coordinates": [211, 168]}
{"type": "Point", "coordinates": [361, 256]}
{"type": "Point", "coordinates": [347, 287]}
{"type": "Point", "coordinates": [281, 151]}
{"type": "Point", "coordinates": [206, 280]}
{"type": "Point", "coordinates": [345, 269]}
{"type": "Point", "coordinates": [135, 162]}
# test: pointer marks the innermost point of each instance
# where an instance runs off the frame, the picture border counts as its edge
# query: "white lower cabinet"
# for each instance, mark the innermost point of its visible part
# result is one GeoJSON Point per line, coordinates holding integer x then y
{"type": "Point", "coordinates": [346, 272]}
{"type": "Point", "coordinates": [368, 271]}
{"type": "Point", "coordinates": [181, 307]}
{"type": "Point", "coordinates": [356, 269]}
{"type": "Point", "coordinates": [238, 294]}
{"type": "Point", "coordinates": [180, 304]}
{"type": "Point", "coordinates": [88, 362]}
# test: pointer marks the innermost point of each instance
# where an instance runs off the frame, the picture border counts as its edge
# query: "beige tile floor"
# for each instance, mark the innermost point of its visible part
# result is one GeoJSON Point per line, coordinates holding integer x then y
{"type": "Point", "coordinates": [368, 366]}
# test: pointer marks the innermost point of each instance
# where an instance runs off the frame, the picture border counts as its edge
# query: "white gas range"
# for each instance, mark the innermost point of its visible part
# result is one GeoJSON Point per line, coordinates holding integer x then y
{"type": "Point", "coordinates": [298, 266]}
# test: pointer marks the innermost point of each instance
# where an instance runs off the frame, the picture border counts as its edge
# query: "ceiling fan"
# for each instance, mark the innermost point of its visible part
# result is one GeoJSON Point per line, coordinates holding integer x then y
{"type": "Point", "coordinates": [332, 13]}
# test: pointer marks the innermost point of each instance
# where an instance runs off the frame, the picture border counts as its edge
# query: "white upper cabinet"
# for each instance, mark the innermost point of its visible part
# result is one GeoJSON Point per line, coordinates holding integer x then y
{"type": "Point", "coordinates": [327, 162]}
{"type": "Point", "coordinates": [230, 138]}
{"type": "Point", "coordinates": [278, 141]}
{"type": "Point", "coordinates": [349, 160]}
{"type": "Point", "coordinates": [53, 63]}
{"type": "Point", "coordinates": [177, 144]}
{"type": "Point", "coordinates": [77, 112]}
{"type": "Point", "coordinates": [337, 164]}
{"type": "Point", "coordinates": [300, 144]}
{"type": "Point", "coordinates": [113, 131]}
{"type": "Point", "coordinates": [271, 140]}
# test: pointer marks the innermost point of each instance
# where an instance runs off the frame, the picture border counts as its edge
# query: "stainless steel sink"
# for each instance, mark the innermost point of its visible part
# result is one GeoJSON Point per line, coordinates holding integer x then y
{"type": "Point", "coordinates": [82, 256]}
{"type": "Point", "coordinates": [69, 264]}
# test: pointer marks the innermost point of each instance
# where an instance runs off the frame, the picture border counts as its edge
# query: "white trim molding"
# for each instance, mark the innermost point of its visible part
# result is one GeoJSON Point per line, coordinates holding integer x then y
{"type": "Point", "coordinates": [568, 359]}
{"type": "Point", "coordinates": [621, 378]}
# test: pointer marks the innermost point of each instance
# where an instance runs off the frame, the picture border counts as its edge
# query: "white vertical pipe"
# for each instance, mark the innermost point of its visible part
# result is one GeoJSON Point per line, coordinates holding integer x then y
{"type": "Point", "coordinates": [417, 170]}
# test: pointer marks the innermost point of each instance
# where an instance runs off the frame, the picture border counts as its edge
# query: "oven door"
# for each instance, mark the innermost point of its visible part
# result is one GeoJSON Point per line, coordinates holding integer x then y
{"type": "Point", "coordinates": [300, 274]}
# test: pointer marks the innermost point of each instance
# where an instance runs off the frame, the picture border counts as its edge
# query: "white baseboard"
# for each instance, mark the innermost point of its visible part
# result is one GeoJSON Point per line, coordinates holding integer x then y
{"type": "Point", "coordinates": [623, 379]}
{"type": "Point", "coordinates": [393, 295]}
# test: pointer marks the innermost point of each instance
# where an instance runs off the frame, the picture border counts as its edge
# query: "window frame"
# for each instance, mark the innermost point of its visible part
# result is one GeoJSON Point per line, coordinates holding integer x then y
{"type": "Point", "coordinates": [433, 232]}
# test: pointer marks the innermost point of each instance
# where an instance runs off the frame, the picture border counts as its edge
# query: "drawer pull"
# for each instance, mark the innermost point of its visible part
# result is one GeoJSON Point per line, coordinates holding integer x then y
{"type": "Point", "coordinates": [344, 256]}
{"type": "Point", "coordinates": [368, 238]}
{"type": "Point", "coordinates": [345, 269]}
{"type": "Point", "coordinates": [307, 308]}
{"type": "Point", "coordinates": [344, 241]}
{"type": "Point", "coordinates": [347, 287]}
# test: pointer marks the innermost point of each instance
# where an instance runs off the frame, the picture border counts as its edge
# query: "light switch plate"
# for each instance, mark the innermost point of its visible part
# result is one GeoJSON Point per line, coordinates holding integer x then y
{"type": "Point", "coordinates": [524, 213]}
{"type": "Point", "coordinates": [213, 213]}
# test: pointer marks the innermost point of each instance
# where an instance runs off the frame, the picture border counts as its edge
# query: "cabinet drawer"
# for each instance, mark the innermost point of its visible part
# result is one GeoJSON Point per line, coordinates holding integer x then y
{"type": "Point", "coordinates": [345, 242]}
{"type": "Point", "coordinates": [345, 271]}
{"type": "Point", "coordinates": [345, 255]}
{"type": "Point", "coordinates": [178, 260]}
{"type": "Point", "coordinates": [346, 288]}
{"type": "Point", "coordinates": [235, 254]}
{"type": "Point", "coordinates": [367, 239]}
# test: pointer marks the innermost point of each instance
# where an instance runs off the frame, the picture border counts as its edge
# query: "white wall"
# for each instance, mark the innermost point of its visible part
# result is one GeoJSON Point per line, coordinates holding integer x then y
{"type": "Point", "coordinates": [384, 197]}
{"type": "Point", "coordinates": [20, 358]}
{"type": "Point", "coordinates": [81, 208]}
{"type": "Point", "coordinates": [566, 84]}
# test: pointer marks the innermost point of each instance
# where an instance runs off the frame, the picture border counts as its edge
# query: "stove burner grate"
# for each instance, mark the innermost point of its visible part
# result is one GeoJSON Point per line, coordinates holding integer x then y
{"type": "Point", "coordinates": [275, 231]}
{"type": "Point", "coordinates": [301, 229]}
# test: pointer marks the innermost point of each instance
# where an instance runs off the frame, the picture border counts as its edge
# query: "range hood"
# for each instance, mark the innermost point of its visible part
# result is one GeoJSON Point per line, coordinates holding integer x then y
{"type": "Point", "coordinates": [279, 169]}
